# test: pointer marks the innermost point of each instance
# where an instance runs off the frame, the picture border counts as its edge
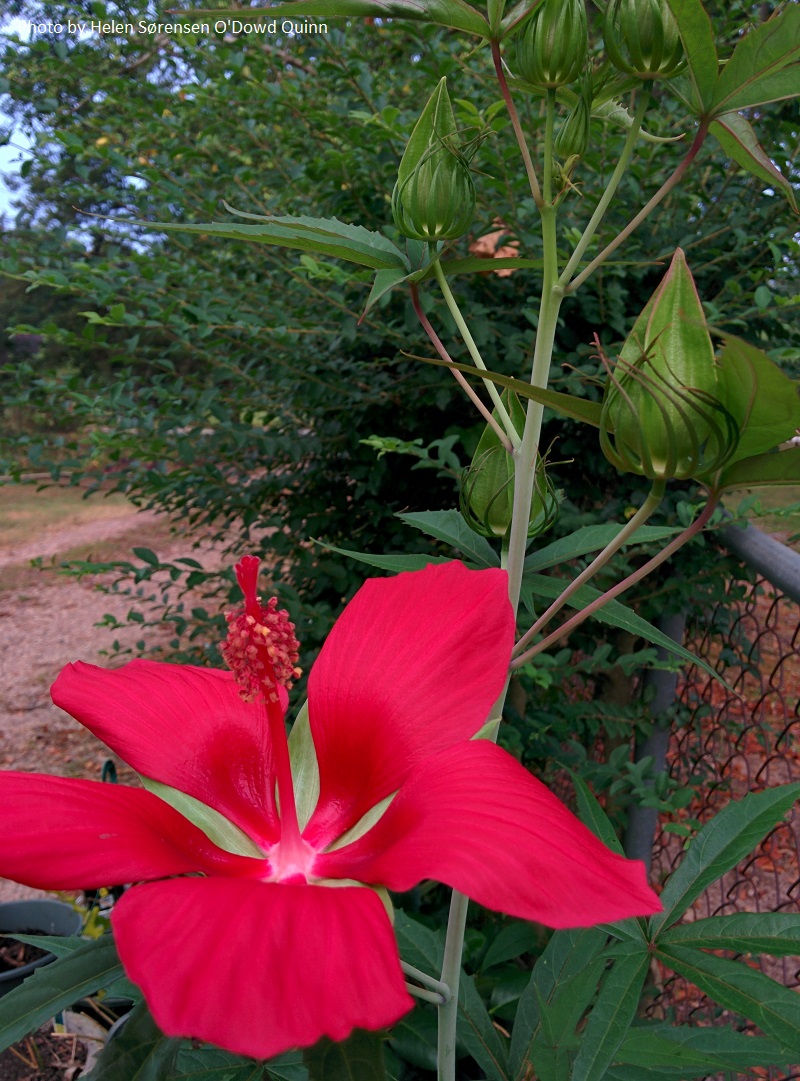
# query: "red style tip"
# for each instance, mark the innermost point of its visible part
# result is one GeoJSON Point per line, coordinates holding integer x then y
{"type": "Point", "coordinates": [261, 648]}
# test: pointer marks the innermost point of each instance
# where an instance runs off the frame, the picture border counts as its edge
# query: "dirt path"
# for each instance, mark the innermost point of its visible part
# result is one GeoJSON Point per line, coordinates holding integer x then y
{"type": "Point", "coordinates": [46, 621]}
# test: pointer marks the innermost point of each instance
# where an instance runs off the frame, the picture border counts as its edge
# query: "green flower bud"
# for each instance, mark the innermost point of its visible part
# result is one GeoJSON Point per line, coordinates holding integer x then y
{"type": "Point", "coordinates": [487, 486]}
{"type": "Point", "coordinates": [573, 135]}
{"type": "Point", "coordinates": [641, 38]}
{"type": "Point", "coordinates": [665, 412]}
{"type": "Point", "coordinates": [434, 197]}
{"type": "Point", "coordinates": [554, 44]}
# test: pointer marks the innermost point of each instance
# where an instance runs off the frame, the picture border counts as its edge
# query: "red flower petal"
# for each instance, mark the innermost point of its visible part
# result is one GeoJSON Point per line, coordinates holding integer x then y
{"type": "Point", "coordinates": [473, 818]}
{"type": "Point", "coordinates": [260, 968]}
{"type": "Point", "coordinates": [184, 726]}
{"type": "Point", "coordinates": [63, 834]}
{"type": "Point", "coordinates": [413, 664]}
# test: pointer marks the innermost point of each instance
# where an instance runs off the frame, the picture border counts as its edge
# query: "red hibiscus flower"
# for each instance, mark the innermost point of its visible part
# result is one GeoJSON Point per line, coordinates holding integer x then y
{"type": "Point", "coordinates": [244, 942]}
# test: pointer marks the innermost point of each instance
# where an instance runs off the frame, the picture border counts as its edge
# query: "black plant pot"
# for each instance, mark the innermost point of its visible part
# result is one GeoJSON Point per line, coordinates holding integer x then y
{"type": "Point", "coordinates": [35, 917]}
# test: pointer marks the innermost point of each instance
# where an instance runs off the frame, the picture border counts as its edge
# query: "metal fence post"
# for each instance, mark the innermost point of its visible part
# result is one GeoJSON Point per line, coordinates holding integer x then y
{"type": "Point", "coordinates": [643, 821]}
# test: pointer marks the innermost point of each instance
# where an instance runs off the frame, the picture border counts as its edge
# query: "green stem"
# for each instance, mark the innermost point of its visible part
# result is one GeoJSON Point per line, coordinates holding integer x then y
{"type": "Point", "coordinates": [525, 456]}
{"type": "Point", "coordinates": [427, 981]}
{"type": "Point", "coordinates": [625, 534]}
{"type": "Point", "coordinates": [635, 222]}
{"type": "Point", "coordinates": [608, 194]}
{"type": "Point", "coordinates": [610, 594]}
{"type": "Point", "coordinates": [459, 377]}
{"type": "Point", "coordinates": [549, 125]}
{"type": "Point", "coordinates": [434, 997]}
{"type": "Point", "coordinates": [515, 124]}
{"type": "Point", "coordinates": [474, 352]}
{"type": "Point", "coordinates": [451, 974]}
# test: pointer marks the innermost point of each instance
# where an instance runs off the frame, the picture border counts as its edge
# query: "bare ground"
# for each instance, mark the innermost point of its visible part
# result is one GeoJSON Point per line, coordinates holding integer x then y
{"type": "Point", "coordinates": [46, 621]}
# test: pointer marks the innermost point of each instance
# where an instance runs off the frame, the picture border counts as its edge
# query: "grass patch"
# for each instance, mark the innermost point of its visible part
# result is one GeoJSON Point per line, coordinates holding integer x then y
{"type": "Point", "coordinates": [26, 511]}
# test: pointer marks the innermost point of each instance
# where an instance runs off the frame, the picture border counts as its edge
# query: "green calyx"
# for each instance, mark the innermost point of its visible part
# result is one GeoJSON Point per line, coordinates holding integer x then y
{"type": "Point", "coordinates": [434, 197]}
{"type": "Point", "coordinates": [641, 38]}
{"type": "Point", "coordinates": [666, 405]}
{"type": "Point", "coordinates": [573, 135]}
{"type": "Point", "coordinates": [487, 486]}
{"type": "Point", "coordinates": [554, 45]}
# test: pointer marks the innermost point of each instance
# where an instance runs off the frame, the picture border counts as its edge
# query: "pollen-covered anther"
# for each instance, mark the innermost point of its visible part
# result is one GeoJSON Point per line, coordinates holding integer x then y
{"type": "Point", "coordinates": [261, 652]}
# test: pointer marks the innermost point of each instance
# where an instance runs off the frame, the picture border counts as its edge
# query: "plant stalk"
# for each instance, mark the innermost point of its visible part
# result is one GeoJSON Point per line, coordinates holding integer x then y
{"type": "Point", "coordinates": [654, 497]}
{"type": "Point", "coordinates": [635, 222]}
{"type": "Point", "coordinates": [608, 194]}
{"type": "Point", "coordinates": [459, 376]}
{"type": "Point", "coordinates": [474, 352]}
{"type": "Point", "coordinates": [451, 974]}
{"type": "Point", "coordinates": [566, 628]}
{"type": "Point", "coordinates": [515, 124]}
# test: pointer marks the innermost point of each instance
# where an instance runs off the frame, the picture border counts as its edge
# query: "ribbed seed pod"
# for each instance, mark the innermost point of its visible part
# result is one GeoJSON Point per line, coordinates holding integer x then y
{"type": "Point", "coordinates": [572, 138]}
{"type": "Point", "coordinates": [641, 38]}
{"type": "Point", "coordinates": [554, 45]}
{"type": "Point", "coordinates": [665, 412]}
{"type": "Point", "coordinates": [434, 196]}
{"type": "Point", "coordinates": [487, 486]}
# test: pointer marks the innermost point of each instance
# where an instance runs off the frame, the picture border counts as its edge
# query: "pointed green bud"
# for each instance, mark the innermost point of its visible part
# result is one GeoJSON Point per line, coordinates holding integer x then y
{"type": "Point", "coordinates": [665, 413]}
{"type": "Point", "coordinates": [434, 197]}
{"type": "Point", "coordinates": [573, 135]}
{"type": "Point", "coordinates": [641, 38]}
{"type": "Point", "coordinates": [554, 45]}
{"type": "Point", "coordinates": [487, 486]}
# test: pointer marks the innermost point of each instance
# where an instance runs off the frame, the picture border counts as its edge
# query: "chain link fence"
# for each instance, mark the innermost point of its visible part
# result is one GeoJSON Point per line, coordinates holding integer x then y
{"type": "Point", "coordinates": [730, 743]}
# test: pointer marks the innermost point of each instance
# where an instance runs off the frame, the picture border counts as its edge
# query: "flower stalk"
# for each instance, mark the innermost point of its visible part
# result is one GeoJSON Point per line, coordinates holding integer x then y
{"type": "Point", "coordinates": [474, 352]}
{"type": "Point", "coordinates": [696, 527]}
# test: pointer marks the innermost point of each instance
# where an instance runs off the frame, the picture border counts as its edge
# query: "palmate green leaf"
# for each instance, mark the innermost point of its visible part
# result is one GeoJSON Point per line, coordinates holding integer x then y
{"type": "Point", "coordinates": [453, 13]}
{"type": "Point", "coordinates": [59, 945]}
{"type": "Point", "coordinates": [767, 398]}
{"type": "Point", "coordinates": [737, 138]}
{"type": "Point", "coordinates": [211, 1064]}
{"type": "Point", "coordinates": [593, 816]}
{"type": "Point", "coordinates": [696, 1050]}
{"type": "Point", "coordinates": [733, 984]}
{"type": "Point", "coordinates": [762, 470]}
{"type": "Point", "coordinates": [414, 1038]}
{"type": "Point", "coordinates": [517, 938]}
{"type": "Point", "coordinates": [763, 66]}
{"type": "Point", "coordinates": [697, 35]}
{"type": "Point", "coordinates": [591, 538]}
{"type": "Point", "coordinates": [54, 987]}
{"type": "Point", "coordinates": [566, 957]}
{"type": "Point", "coordinates": [140, 1052]}
{"type": "Point", "coordinates": [565, 404]}
{"type": "Point", "coordinates": [775, 933]}
{"type": "Point", "coordinates": [519, 12]}
{"type": "Point", "coordinates": [720, 845]}
{"type": "Point", "coordinates": [611, 1016]}
{"type": "Point", "coordinates": [615, 614]}
{"type": "Point", "coordinates": [357, 1058]}
{"type": "Point", "coordinates": [419, 945]}
{"type": "Point", "coordinates": [327, 236]}
{"type": "Point", "coordinates": [450, 527]}
{"type": "Point", "coordinates": [408, 561]}
{"type": "Point", "coordinates": [385, 281]}
{"type": "Point", "coordinates": [476, 1033]}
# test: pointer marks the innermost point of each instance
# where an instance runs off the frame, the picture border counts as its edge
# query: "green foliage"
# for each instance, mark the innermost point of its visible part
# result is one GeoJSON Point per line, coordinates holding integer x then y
{"type": "Point", "coordinates": [242, 388]}
{"type": "Point", "coordinates": [140, 1051]}
{"type": "Point", "coordinates": [359, 1056]}
{"type": "Point", "coordinates": [83, 968]}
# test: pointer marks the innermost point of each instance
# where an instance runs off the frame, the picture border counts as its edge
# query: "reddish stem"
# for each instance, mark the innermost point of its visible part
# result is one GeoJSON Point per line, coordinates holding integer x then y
{"type": "Point", "coordinates": [566, 628]}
